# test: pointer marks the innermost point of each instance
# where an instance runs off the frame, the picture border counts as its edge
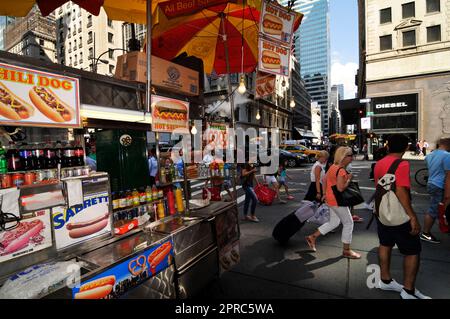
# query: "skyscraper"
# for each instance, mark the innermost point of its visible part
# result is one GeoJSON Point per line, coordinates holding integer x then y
{"type": "Point", "coordinates": [4, 21]}
{"type": "Point", "coordinates": [312, 49]}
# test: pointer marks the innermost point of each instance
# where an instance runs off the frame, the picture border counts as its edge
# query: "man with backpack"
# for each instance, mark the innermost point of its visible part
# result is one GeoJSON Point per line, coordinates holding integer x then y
{"type": "Point", "coordinates": [396, 220]}
{"type": "Point", "coordinates": [438, 163]}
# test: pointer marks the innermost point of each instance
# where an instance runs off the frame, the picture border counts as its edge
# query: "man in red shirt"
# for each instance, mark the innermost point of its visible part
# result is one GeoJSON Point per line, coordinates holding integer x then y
{"type": "Point", "coordinates": [405, 236]}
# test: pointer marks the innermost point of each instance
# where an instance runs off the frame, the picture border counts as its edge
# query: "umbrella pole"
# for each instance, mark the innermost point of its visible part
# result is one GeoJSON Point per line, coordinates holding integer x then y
{"type": "Point", "coordinates": [230, 96]}
{"type": "Point", "coordinates": [148, 97]}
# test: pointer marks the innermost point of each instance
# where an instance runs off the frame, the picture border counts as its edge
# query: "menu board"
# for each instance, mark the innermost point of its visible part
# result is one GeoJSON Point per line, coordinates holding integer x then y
{"type": "Point", "coordinates": [79, 223]}
{"type": "Point", "coordinates": [277, 23]}
{"type": "Point", "coordinates": [169, 114]}
{"type": "Point", "coordinates": [31, 234]}
{"type": "Point", "coordinates": [216, 135]}
{"type": "Point", "coordinates": [34, 98]}
{"type": "Point", "coordinates": [273, 57]}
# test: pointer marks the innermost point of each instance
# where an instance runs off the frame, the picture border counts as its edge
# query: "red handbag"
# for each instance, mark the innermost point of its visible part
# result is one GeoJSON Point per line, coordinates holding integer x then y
{"type": "Point", "coordinates": [215, 193]}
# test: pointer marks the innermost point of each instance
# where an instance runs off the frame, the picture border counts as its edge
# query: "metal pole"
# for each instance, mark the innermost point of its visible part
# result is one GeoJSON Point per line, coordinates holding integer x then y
{"type": "Point", "coordinates": [230, 93]}
{"type": "Point", "coordinates": [148, 98]}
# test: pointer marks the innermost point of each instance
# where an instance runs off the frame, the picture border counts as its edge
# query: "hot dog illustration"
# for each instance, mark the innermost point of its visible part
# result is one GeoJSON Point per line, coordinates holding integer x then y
{"type": "Point", "coordinates": [13, 107]}
{"type": "Point", "coordinates": [97, 289]}
{"type": "Point", "coordinates": [82, 229]}
{"type": "Point", "coordinates": [170, 112]}
{"type": "Point", "coordinates": [20, 237]}
{"type": "Point", "coordinates": [260, 90]}
{"type": "Point", "coordinates": [272, 24]}
{"type": "Point", "coordinates": [51, 105]}
{"type": "Point", "coordinates": [271, 60]}
{"type": "Point", "coordinates": [156, 257]}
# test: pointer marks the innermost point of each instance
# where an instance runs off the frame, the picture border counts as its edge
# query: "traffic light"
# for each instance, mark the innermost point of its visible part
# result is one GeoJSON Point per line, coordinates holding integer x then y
{"type": "Point", "coordinates": [362, 112]}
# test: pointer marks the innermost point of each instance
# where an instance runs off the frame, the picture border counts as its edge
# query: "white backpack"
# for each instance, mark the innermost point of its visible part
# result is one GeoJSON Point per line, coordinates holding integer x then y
{"type": "Point", "coordinates": [388, 208]}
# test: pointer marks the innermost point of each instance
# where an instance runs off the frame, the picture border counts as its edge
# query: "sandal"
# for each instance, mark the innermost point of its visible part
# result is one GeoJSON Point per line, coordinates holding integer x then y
{"type": "Point", "coordinates": [310, 243]}
{"type": "Point", "coordinates": [350, 254]}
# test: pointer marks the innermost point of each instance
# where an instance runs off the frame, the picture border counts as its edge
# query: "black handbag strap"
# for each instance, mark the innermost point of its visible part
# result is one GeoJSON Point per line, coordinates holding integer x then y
{"type": "Point", "coordinates": [394, 166]}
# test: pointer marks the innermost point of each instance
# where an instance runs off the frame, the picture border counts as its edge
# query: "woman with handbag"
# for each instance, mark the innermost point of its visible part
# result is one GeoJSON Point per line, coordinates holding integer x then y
{"type": "Point", "coordinates": [337, 181]}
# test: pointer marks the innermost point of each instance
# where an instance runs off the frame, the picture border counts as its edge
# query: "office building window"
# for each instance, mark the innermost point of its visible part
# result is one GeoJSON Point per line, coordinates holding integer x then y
{"type": "Point", "coordinates": [386, 42]}
{"type": "Point", "coordinates": [433, 6]}
{"type": "Point", "coordinates": [385, 15]}
{"type": "Point", "coordinates": [110, 24]}
{"type": "Point", "coordinates": [409, 38]}
{"type": "Point", "coordinates": [111, 54]}
{"type": "Point", "coordinates": [41, 52]}
{"type": "Point", "coordinates": [41, 42]}
{"type": "Point", "coordinates": [434, 33]}
{"type": "Point", "coordinates": [91, 53]}
{"type": "Point", "coordinates": [111, 68]}
{"type": "Point", "coordinates": [110, 37]}
{"type": "Point", "coordinates": [408, 10]}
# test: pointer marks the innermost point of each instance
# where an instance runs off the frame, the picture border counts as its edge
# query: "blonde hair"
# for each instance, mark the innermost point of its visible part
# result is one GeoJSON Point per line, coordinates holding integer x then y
{"type": "Point", "coordinates": [322, 154]}
{"type": "Point", "coordinates": [341, 153]}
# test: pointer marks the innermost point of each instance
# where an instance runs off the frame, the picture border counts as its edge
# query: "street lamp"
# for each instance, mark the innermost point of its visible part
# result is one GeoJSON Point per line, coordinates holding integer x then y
{"type": "Point", "coordinates": [95, 64]}
{"type": "Point", "coordinates": [292, 104]}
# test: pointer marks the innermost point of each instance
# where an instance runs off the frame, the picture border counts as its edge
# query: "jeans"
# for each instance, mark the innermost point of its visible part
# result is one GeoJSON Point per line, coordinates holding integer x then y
{"type": "Point", "coordinates": [339, 214]}
{"type": "Point", "coordinates": [436, 196]}
{"type": "Point", "coordinates": [249, 196]}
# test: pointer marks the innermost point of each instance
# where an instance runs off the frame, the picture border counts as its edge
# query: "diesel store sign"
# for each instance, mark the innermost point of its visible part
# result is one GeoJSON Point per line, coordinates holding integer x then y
{"type": "Point", "coordinates": [395, 104]}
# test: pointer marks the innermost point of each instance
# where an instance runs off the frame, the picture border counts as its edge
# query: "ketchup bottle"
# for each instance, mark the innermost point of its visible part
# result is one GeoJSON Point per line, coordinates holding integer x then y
{"type": "Point", "coordinates": [171, 202]}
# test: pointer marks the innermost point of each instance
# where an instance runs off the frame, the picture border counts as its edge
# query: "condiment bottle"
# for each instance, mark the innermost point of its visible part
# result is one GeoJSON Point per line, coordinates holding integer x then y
{"type": "Point", "coordinates": [148, 194]}
{"type": "Point", "coordinates": [123, 200]}
{"type": "Point", "coordinates": [179, 200]}
{"type": "Point", "coordinates": [135, 197]}
{"type": "Point", "coordinates": [129, 198]}
{"type": "Point", "coordinates": [171, 202]}
{"type": "Point", "coordinates": [161, 209]}
{"type": "Point", "coordinates": [115, 201]}
{"type": "Point", "coordinates": [142, 196]}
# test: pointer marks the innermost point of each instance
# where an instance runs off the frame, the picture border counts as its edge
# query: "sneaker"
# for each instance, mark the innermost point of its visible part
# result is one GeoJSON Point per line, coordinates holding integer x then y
{"type": "Point", "coordinates": [369, 206]}
{"type": "Point", "coordinates": [254, 219]}
{"type": "Point", "coordinates": [417, 295]}
{"type": "Point", "coordinates": [429, 238]}
{"type": "Point", "coordinates": [392, 286]}
{"type": "Point", "coordinates": [247, 218]}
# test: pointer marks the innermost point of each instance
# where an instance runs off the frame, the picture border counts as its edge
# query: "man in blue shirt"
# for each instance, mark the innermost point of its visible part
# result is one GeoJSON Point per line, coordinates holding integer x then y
{"type": "Point", "coordinates": [153, 167]}
{"type": "Point", "coordinates": [438, 163]}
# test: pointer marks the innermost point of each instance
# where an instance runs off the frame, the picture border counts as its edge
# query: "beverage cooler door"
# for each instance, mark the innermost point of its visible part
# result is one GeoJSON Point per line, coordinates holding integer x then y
{"type": "Point", "coordinates": [123, 154]}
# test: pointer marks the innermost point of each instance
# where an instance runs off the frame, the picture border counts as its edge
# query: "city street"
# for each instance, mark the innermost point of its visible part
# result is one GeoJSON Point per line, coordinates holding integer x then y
{"type": "Point", "coordinates": [268, 270]}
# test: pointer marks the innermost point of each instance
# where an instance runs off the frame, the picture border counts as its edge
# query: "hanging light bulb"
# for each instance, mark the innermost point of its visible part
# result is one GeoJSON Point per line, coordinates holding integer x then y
{"type": "Point", "coordinates": [194, 130]}
{"type": "Point", "coordinates": [242, 89]}
{"type": "Point", "coordinates": [258, 117]}
{"type": "Point", "coordinates": [292, 104]}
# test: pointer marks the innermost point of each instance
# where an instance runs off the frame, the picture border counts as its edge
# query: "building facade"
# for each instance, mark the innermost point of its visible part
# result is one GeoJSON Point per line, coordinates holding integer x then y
{"type": "Point", "coordinates": [88, 42]}
{"type": "Point", "coordinates": [316, 121]}
{"type": "Point", "coordinates": [408, 68]}
{"type": "Point", "coordinates": [32, 35]}
{"type": "Point", "coordinates": [313, 51]}
{"type": "Point", "coordinates": [333, 110]}
{"type": "Point", "coordinates": [140, 32]}
{"type": "Point", "coordinates": [4, 22]}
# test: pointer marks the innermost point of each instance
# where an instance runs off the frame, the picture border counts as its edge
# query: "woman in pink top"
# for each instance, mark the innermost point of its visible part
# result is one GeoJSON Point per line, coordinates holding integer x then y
{"type": "Point", "coordinates": [337, 175]}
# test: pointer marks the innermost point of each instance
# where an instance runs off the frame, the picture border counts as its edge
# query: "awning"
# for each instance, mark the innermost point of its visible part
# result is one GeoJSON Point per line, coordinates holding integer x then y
{"type": "Point", "coordinates": [305, 133]}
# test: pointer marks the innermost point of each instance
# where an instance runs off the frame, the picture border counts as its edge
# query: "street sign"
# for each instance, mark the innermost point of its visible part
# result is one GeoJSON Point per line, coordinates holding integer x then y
{"type": "Point", "coordinates": [365, 123]}
{"type": "Point", "coordinates": [370, 113]}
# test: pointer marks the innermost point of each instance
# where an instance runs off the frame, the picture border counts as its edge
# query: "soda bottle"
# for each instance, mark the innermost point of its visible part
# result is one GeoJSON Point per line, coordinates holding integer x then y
{"type": "Point", "coordinates": [3, 161]}
{"type": "Point", "coordinates": [135, 197]}
{"type": "Point", "coordinates": [142, 196]}
{"type": "Point", "coordinates": [27, 157]}
{"type": "Point", "coordinates": [50, 156]}
{"type": "Point", "coordinates": [163, 176]}
{"type": "Point", "coordinates": [129, 198]}
{"type": "Point", "coordinates": [59, 153]}
{"type": "Point", "coordinates": [122, 200]}
{"type": "Point", "coordinates": [172, 172]}
{"type": "Point", "coordinates": [148, 194]}
{"type": "Point", "coordinates": [13, 158]}
{"type": "Point", "coordinates": [69, 155]}
{"type": "Point", "coordinates": [79, 155]}
{"type": "Point", "coordinates": [38, 156]}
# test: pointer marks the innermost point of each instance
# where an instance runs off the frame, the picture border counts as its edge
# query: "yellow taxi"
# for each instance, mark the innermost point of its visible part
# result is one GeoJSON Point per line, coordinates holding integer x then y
{"type": "Point", "coordinates": [301, 149]}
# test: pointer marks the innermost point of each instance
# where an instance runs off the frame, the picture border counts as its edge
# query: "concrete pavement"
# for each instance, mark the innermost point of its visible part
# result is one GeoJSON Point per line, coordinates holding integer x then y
{"type": "Point", "coordinates": [268, 270]}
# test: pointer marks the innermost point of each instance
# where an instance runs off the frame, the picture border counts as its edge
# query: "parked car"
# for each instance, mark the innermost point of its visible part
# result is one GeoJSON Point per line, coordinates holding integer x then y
{"type": "Point", "coordinates": [293, 160]}
{"type": "Point", "coordinates": [300, 149]}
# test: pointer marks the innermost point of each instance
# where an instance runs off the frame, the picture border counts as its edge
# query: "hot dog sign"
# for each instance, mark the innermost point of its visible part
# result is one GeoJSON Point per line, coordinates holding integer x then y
{"type": "Point", "coordinates": [273, 57]}
{"type": "Point", "coordinates": [277, 23]}
{"type": "Point", "coordinates": [34, 98]}
{"type": "Point", "coordinates": [82, 222]}
{"type": "Point", "coordinates": [117, 280]}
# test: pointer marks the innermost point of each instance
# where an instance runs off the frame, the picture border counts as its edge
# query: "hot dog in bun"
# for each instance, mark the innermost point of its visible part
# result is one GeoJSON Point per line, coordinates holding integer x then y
{"type": "Point", "coordinates": [170, 112]}
{"type": "Point", "coordinates": [82, 229]}
{"type": "Point", "coordinates": [272, 24]}
{"type": "Point", "coordinates": [271, 60]}
{"type": "Point", "coordinates": [97, 289]}
{"type": "Point", "coordinates": [13, 107]}
{"type": "Point", "coordinates": [51, 105]}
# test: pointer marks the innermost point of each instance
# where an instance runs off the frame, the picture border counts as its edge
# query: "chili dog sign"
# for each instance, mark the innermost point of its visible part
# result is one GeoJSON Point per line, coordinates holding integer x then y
{"type": "Point", "coordinates": [34, 98]}
{"type": "Point", "coordinates": [79, 223]}
{"type": "Point", "coordinates": [117, 280]}
{"type": "Point", "coordinates": [265, 85]}
{"type": "Point", "coordinates": [273, 57]}
{"type": "Point", "coordinates": [277, 23]}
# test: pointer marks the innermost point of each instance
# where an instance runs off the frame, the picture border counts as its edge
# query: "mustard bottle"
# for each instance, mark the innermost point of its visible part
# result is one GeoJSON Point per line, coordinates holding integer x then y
{"type": "Point", "coordinates": [179, 200]}
{"type": "Point", "coordinates": [161, 210]}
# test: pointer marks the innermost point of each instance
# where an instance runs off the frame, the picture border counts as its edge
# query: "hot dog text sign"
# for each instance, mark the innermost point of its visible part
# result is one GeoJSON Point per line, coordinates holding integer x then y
{"type": "Point", "coordinates": [117, 280]}
{"type": "Point", "coordinates": [82, 222]}
{"type": "Point", "coordinates": [273, 57]}
{"type": "Point", "coordinates": [34, 98]}
{"type": "Point", "coordinates": [277, 23]}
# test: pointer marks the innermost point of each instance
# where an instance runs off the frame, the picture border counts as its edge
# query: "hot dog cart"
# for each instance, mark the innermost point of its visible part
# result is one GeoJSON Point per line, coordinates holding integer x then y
{"type": "Point", "coordinates": [63, 243]}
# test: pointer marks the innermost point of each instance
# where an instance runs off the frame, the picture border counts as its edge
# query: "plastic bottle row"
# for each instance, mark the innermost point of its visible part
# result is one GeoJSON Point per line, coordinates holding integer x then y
{"type": "Point", "coordinates": [36, 156]}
